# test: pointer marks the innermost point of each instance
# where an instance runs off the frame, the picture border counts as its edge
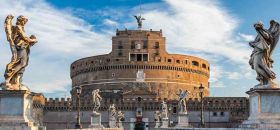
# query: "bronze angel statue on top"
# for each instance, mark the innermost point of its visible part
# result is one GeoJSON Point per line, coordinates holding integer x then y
{"type": "Point", "coordinates": [260, 59]}
{"type": "Point", "coordinates": [20, 44]}
{"type": "Point", "coordinates": [139, 21]}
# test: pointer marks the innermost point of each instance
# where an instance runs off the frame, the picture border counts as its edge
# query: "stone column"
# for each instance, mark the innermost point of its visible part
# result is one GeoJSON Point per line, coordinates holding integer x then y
{"type": "Point", "coordinates": [264, 108]}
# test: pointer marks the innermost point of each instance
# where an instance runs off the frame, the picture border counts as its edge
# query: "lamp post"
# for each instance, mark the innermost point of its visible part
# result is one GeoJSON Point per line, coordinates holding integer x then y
{"type": "Point", "coordinates": [78, 103]}
{"type": "Point", "coordinates": [201, 89]}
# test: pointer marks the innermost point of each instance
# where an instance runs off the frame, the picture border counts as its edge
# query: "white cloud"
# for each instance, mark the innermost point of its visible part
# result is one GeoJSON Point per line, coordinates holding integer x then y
{"type": "Point", "coordinates": [203, 27]}
{"type": "Point", "coordinates": [200, 25]}
{"type": "Point", "coordinates": [62, 37]}
{"type": "Point", "coordinates": [110, 22]}
{"type": "Point", "coordinates": [246, 37]}
{"type": "Point", "coordinates": [234, 75]}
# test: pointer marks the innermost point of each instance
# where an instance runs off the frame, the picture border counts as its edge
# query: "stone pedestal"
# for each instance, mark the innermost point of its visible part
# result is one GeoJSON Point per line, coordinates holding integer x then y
{"type": "Point", "coordinates": [112, 122]}
{"type": "Point", "coordinates": [157, 124]}
{"type": "Point", "coordinates": [165, 123]}
{"type": "Point", "coordinates": [16, 108]}
{"type": "Point", "coordinates": [183, 120]}
{"type": "Point", "coordinates": [95, 121]}
{"type": "Point", "coordinates": [119, 124]}
{"type": "Point", "coordinates": [264, 108]}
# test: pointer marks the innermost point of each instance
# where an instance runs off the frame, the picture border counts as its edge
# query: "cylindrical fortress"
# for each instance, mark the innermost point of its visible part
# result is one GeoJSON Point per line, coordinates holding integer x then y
{"type": "Point", "coordinates": [139, 61]}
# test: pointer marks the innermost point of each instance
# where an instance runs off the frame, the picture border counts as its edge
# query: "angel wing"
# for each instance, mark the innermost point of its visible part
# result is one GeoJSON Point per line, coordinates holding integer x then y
{"type": "Point", "coordinates": [136, 17]}
{"type": "Point", "coordinates": [274, 30]}
{"type": "Point", "coordinates": [9, 33]}
{"type": "Point", "coordinates": [8, 28]}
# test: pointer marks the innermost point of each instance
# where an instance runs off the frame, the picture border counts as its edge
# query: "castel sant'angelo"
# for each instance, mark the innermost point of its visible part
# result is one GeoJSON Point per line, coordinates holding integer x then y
{"type": "Point", "coordinates": [139, 60]}
{"type": "Point", "coordinates": [137, 76]}
{"type": "Point", "coordinates": [139, 86]}
{"type": "Point", "coordinates": [141, 80]}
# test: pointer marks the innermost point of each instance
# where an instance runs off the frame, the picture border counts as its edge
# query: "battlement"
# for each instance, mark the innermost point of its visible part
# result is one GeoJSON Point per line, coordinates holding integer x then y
{"type": "Point", "coordinates": [138, 32]}
{"type": "Point", "coordinates": [210, 103]}
{"type": "Point", "coordinates": [58, 102]}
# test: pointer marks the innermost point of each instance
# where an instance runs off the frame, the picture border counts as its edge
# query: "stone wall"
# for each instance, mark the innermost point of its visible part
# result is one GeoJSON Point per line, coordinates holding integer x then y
{"type": "Point", "coordinates": [218, 112]}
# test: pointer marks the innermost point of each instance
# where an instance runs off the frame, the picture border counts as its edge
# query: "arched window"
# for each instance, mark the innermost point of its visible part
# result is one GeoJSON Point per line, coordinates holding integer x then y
{"type": "Point", "coordinates": [204, 66]}
{"type": "Point", "coordinates": [195, 63]}
{"type": "Point", "coordinates": [178, 61]}
{"type": "Point", "coordinates": [120, 46]}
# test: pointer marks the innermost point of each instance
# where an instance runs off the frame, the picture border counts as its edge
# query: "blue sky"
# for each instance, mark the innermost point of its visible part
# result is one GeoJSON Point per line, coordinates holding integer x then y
{"type": "Point", "coordinates": [217, 30]}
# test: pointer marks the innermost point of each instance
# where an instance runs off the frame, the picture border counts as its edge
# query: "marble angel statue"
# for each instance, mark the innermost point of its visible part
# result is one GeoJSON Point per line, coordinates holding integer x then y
{"type": "Point", "coordinates": [20, 44]}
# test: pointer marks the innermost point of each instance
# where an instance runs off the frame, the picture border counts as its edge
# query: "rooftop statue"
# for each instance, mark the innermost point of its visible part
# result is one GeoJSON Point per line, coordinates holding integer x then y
{"type": "Point", "coordinates": [139, 21]}
{"type": "Point", "coordinates": [20, 44]}
{"type": "Point", "coordinates": [264, 44]}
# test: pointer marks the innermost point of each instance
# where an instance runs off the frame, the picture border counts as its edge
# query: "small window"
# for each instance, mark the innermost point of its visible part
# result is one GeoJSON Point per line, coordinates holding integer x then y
{"type": "Point", "coordinates": [195, 63]}
{"type": "Point", "coordinates": [145, 45]}
{"type": "Point", "coordinates": [120, 53]}
{"type": "Point", "coordinates": [133, 45]}
{"type": "Point", "coordinates": [132, 57]}
{"type": "Point", "coordinates": [139, 57]}
{"type": "Point", "coordinates": [178, 61]}
{"type": "Point", "coordinates": [204, 66]}
{"type": "Point", "coordinates": [117, 59]}
{"type": "Point", "coordinates": [169, 60]}
{"type": "Point", "coordinates": [157, 45]}
{"type": "Point", "coordinates": [120, 46]}
{"type": "Point", "coordinates": [113, 74]}
{"type": "Point", "coordinates": [174, 110]}
{"type": "Point", "coordinates": [222, 114]}
{"type": "Point", "coordinates": [214, 113]}
{"type": "Point", "coordinates": [186, 61]}
{"type": "Point", "coordinates": [145, 57]}
{"type": "Point", "coordinates": [178, 76]}
{"type": "Point", "coordinates": [108, 60]}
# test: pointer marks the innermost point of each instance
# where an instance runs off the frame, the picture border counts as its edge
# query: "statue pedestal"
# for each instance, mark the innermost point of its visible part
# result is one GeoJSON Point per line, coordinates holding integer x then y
{"type": "Point", "coordinates": [264, 108]}
{"type": "Point", "coordinates": [16, 108]}
{"type": "Point", "coordinates": [165, 123]}
{"type": "Point", "coordinates": [119, 124]}
{"type": "Point", "coordinates": [157, 125]}
{"type": "Point", "coordinates": [95, 121]}
{"type": "Point", "coordinates": [183, 120]}
{"type": "Point", "coordinates": [112, 122]}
